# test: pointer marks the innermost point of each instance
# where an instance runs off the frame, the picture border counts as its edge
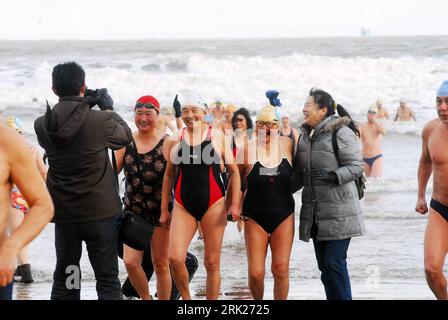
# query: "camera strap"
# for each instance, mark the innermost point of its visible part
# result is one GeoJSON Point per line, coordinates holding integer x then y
{"type": "Point", "coordinates": [114, 164]}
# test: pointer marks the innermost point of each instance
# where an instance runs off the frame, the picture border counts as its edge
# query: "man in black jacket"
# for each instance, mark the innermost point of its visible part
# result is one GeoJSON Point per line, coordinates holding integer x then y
{"type": "Point", "coordinates": [81, 181]}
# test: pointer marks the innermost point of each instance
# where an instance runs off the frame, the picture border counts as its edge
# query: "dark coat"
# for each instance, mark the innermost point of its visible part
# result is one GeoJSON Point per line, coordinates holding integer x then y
{"type": "Point", "coordinates": [80, 178]}
{"type": "Point", "coordinates": [335, 208]}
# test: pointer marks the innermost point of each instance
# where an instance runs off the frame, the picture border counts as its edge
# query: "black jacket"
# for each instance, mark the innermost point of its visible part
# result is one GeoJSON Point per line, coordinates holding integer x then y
{"type": "Point", "coordinates": [80, 178]}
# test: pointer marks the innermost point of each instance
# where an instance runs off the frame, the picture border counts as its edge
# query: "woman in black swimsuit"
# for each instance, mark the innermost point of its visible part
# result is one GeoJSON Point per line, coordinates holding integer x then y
{"type": "Point", "coordinates": [197, 157]}
{"type": "Point", "coordinates": [268, 208]}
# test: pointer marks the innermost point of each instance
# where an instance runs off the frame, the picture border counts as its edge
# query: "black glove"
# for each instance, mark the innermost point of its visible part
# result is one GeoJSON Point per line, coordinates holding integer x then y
{"type": "Point", "coordinates": [324, 175]}
{"type": "Point", "coordinates": [106, 102]}
{"type": "Point", "coordinates": [177, 107]}
{"type": "Point", "coordinates": [99, 97]}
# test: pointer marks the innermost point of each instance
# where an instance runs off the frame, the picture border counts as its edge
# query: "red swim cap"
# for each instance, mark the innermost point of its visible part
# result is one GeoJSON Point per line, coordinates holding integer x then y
{"type": "Point", "coordinates": [149, 102]}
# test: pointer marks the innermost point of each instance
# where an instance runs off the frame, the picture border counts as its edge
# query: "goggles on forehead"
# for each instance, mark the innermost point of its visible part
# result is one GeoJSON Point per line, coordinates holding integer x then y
{"type": "Point", "coordinates": [148, 105]}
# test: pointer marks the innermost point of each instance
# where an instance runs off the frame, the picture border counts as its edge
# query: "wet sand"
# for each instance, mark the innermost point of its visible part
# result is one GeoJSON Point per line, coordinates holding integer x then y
{"type": "Point", "coordinates": [386, 263]}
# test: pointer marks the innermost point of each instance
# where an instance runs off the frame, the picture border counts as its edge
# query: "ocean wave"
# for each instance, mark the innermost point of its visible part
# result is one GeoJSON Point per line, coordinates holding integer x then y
{"type": "Point", "coordinates": [393, 185]}
{"type": "Point", "coordinates": [355, 82]}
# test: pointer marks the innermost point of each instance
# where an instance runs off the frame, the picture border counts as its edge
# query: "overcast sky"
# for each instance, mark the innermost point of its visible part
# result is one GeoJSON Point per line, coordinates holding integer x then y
{"type": "Point", "coordinates": [134, 19]}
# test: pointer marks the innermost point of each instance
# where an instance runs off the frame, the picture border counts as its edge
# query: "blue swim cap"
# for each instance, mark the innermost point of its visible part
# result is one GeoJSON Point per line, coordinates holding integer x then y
{"type": "Point", "coordinates": [272, 96]}
{"type": "Point", "coordinates": [443, 90]}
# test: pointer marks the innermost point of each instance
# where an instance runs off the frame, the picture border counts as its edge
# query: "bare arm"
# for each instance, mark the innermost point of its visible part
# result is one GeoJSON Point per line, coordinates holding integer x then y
{"type": "Point", "coordinates": [396, 116]}
{"type": "Point", "coordinates": [167, 186]}
{"type": "Point", "coordinates": [234, 177]}
{"type": "Point", "coordinates": [119, 156]}
{"type": "Point", "coordinates": [295, 133]}
{"type": "Point", "coordinates": [179, 123]}
{"type": "Point", "coordinates": [288, 147]}
{"type": "Point", "coordinates": [26, 176]}
{"type": "Point", "coordinates": [242, 163]}
{"type": "Point", "coordinates": [424, 171]}
{"type": "Point", "coordinates": [242, 159]}
{"type": "Point", "coordinates": [40, 163]}
{"type": "Point", "coordinates": [380, 128]}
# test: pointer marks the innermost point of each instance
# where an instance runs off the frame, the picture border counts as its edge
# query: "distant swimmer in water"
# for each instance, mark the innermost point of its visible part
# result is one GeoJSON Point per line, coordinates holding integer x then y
{"type": "Point", "coordinates": [216, 114]}
{"type": "Point", "coordinates": [404, 112]}
{"type": "Point", "coordinates": [226, 124]}
{"type": "Point", "coordinates": [381, 110]}
{"type": "Point", "coordinates": [287, 130]}
{"type": "Point", "coordinates": [434, 159]}
{"type": "Point", "coordinates": [371, 136]}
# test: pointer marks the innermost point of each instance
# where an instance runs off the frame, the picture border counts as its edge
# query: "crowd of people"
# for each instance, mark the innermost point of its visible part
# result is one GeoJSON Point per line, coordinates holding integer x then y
{"type": "Point", "coordinates": [196, 172]}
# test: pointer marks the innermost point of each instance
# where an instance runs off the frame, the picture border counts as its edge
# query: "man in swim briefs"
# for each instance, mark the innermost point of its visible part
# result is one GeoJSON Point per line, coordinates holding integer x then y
{"type": "Point", "coordinates": [371, 137]}
{"type": "Point", "coordinates": [434, 160]}
{"type": "Point", "coordinates": [404, 112]}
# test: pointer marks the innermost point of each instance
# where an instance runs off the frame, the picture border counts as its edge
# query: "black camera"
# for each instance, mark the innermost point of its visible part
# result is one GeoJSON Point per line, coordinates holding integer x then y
{"type": "Point", "coordinates": [99, 97]}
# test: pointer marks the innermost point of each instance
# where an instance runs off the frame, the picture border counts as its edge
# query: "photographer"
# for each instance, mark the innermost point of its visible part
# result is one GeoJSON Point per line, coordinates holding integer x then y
{"type": "Point", "coordinates": [81, 180]}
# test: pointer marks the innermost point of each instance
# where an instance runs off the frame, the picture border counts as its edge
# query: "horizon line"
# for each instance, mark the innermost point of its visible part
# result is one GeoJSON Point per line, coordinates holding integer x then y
{"type": "Point", "coordinates": [226, 38]}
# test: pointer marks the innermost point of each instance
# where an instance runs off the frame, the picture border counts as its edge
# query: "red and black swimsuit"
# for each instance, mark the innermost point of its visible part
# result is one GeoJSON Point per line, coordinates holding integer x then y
{"type": "Point", "coordinates": [198, 182]}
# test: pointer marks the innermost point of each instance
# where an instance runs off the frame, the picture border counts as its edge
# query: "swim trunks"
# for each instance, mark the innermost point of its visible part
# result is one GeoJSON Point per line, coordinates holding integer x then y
{"type": "Point", "coordinates": [440, 208]}
{"type": "Point", "coordinates": [370, 161]}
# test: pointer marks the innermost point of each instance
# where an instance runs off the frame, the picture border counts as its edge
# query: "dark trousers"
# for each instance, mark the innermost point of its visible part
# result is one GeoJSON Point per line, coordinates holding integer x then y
{"type": "Point", "coordinates": [6, 292]}
{"type": "Point", "coordinates": [191, 263]}
{"type": "Point", "coordinates": [101, 241]}
{"type": "Point", "coordinates": [332, 262]}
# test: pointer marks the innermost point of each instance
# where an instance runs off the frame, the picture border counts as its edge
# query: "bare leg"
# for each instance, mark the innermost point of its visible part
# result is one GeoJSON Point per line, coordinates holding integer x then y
{"type": "Point", "coordinates": [182, 230]}
{"type": "Point", "coordinates": [159, 255]}
{"type": "Point", "coordinates": [281, 244]}
{"type": "Point", "coordinates": [367, 169]}
{"type": "Point", "coordinates": [213, 226]}
{"type": "Point", "coordinates": [377, 168]}
{"type": "Point", "coordinates": [16, 219]}
{"type": "Point", "coordinates": [133, 261]}
{"type": "Point", "coordinates": [256, 247]}
{"type": "Point", "coordinates": [436, 248]}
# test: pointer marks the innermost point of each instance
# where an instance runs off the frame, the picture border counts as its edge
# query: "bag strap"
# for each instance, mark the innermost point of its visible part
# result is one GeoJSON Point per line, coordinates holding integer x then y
{"type": "Point", "coordinates": [114, 164]}
{"type": "Point", "coordinates": [334, 142]}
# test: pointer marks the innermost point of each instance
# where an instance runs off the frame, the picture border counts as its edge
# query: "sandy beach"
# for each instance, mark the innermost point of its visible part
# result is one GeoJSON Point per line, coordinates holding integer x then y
{"type": "Point", "coordinates": [386, 264]}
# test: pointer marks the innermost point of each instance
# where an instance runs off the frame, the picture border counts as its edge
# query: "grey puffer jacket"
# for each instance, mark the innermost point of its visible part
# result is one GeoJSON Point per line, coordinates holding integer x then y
{"type": "Point", "coordinates": [335, 208]}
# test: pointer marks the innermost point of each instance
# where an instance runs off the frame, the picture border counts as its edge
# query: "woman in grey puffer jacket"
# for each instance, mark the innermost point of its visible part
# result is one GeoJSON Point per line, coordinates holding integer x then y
{"type": "Point", "coordinates": [331, 212]}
